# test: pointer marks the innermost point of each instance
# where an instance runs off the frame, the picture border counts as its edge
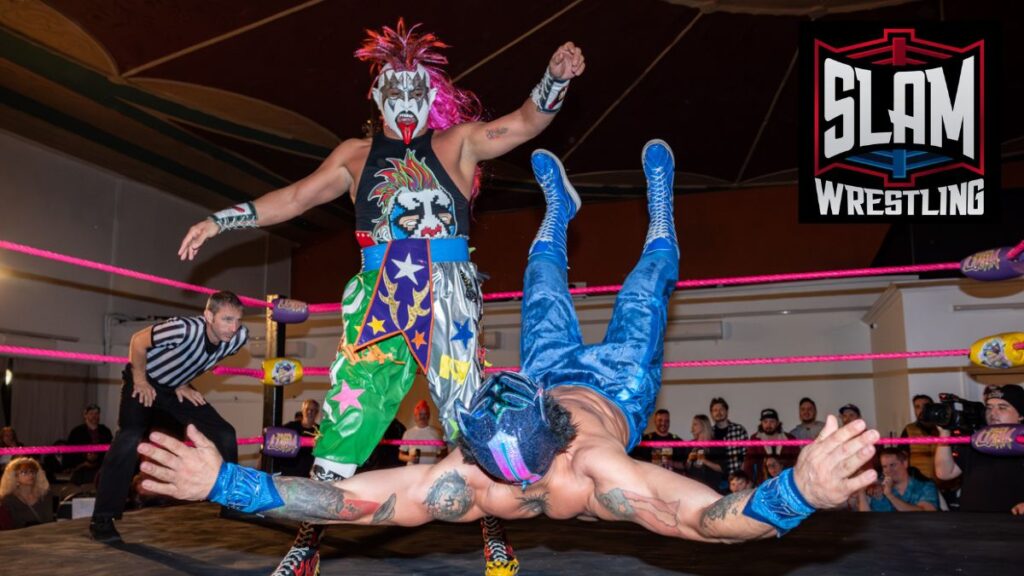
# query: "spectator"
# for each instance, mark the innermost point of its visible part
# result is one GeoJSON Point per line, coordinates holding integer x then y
{"type": "Point", "coordinates": [24, 495]}
{"type": "Point", "coordinates": [770, 428]}
{"type": "Point", "coordinates": [849, 413]}
{"type": "Point", "coordinates": [671, 458]}
{"type": "Point", "coordinates": [306, 426]}
{"type": "Point", "coordinates": [90, 431]}
{"type": "Point", "coordinates": [421, 431]}
{"type": "Point", "coordinates": [901, 492]}
{"type": "Point", "coordinates": [726, 430]}
{"type": "Point", "coordinates": [990, 483]}
{"type": "Point", "coordinates": [809, 426]}
{"type": "Point", "coordinates": [773, 466]}
{"type": "Point", "coordinates": [922, 456]}
{"type": "Point", "coordinates": [739, 481]}
{"type": "Point", "coordinates": [705, 465]}
{"type": "Point", "coordinates": [8, 439]}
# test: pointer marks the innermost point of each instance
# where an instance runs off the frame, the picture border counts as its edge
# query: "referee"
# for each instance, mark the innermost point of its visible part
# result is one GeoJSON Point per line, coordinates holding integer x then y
{"type": "Point", "coordinates": [163, 361]}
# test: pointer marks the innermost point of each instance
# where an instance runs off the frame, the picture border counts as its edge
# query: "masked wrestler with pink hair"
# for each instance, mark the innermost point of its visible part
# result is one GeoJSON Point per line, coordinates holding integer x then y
{"type": "Point", "coordinates": [412, 186]}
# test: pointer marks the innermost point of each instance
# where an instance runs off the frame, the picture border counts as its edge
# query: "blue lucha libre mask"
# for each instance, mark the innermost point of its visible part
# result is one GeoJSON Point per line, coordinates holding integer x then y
{"type": "Point", "coordinates": [506, 430]}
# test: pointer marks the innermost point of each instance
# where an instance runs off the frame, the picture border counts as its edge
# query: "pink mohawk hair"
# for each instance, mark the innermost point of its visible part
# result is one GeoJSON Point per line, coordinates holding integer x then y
{"type": "Point", "coordinates": [404, 49]}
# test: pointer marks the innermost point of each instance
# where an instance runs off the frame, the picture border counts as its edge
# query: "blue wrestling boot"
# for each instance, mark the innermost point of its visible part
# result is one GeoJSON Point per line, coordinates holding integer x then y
{"type": "Point", "coordinates": [659, 168]}
{"type": "Point", "coordinates": [562, 204]}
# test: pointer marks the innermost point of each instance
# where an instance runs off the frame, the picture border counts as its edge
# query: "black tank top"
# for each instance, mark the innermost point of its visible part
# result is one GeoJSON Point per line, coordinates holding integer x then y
{"type": "Point", "coordinates": [404, 192]}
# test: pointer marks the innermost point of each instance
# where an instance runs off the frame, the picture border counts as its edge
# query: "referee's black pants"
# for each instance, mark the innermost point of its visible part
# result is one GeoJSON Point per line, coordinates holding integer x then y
{"type": "Point", "coordinates": [115, 476]}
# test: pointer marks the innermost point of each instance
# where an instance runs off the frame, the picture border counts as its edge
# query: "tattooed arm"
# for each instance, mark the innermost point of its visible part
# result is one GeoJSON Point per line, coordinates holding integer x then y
{"type": "Point", "coordinates": [405, 496]}
{"type": "Point", "coordinates": [826, 474]}
{"type": "Point", "coordinates": [487, 140]}
{"type": "Point", "coordinates": [672, 505]}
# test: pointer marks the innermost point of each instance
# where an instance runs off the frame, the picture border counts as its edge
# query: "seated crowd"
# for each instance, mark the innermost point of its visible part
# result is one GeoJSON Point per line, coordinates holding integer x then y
{"type": "Point", "coordinates": [916, 478]}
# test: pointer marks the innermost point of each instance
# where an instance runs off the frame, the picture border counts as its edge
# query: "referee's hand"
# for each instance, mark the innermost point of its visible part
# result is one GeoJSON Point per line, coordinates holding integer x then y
{"type": "Point", "coordinates": [189, 393]}
{"type": "Point", "coordinates": [145, 392]}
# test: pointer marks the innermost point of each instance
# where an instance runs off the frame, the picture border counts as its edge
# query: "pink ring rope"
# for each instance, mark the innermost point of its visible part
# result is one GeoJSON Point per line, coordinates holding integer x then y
{"type": "Point", "coordinates": [47, 254]}
{"type": "Point", "coordinates": [24, 450]}
{"type": "Point", "coordinates": [761, 279]}
{"type": "Point", "coordinates": [324, 370]}
{"type": "Point", "coordinates": [753, 443]}
{"type": "Point", "coordinates": [334, 307]}
{"type": "Point", "coordinates": [99, 358]}
{"type": "Point", "coordinates": [306, 441]}
{"type": "Point", "coordinates": [1015, 251]}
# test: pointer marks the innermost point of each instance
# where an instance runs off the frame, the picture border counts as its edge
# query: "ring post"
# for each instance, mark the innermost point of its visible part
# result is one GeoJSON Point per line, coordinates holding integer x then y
{"type": "Point", "coordinates": [273, 396]}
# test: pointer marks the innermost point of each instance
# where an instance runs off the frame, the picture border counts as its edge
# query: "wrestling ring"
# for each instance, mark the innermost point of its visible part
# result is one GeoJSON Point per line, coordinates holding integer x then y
{"type": "Point", "coordinates": [191, 539]}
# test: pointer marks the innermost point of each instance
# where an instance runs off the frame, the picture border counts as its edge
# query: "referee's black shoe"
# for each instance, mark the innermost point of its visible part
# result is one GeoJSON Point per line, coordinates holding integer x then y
{"type": "Point", "coordinates": [103, 530]}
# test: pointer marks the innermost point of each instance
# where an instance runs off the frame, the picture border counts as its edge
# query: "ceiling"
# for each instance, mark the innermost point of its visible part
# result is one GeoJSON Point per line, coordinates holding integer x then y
{"type": "Point", "coordinates": [222, 101]}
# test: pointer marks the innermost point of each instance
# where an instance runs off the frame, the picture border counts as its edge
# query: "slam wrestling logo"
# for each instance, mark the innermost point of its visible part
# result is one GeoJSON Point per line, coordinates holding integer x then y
{"type": "Point", "coordinates": [897, 123]}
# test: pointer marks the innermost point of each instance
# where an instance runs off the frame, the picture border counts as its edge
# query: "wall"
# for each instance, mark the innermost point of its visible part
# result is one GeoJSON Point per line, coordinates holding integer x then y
{"type": "Point", "coordinates": [54, 202]}
{"type": "Point", "coordinates": [940, 315]}
{"type": "Point", "coordinates": [954, 314]}
{"type": "Point", "coordinates": [892, 377]}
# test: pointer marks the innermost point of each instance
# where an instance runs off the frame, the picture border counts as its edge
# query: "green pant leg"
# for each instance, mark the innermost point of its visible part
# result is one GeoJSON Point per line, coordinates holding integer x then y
{"type": "Point", "coordinates": [365, 394]}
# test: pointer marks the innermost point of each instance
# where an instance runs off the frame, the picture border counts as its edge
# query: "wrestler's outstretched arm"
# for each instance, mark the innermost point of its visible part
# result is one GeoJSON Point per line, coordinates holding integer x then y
{"type": "Point", "coordinates": [487, 140]}
{"type": "Point", "coordinates": [673, 505]}
{"type": "Point", "coordinates": [329, 181]}
{"type": "Point", "coordinates": [405, 496]}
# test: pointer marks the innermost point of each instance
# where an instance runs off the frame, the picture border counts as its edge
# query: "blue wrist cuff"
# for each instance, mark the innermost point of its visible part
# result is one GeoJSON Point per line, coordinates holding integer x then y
{"type": "Point", "coordinates": [244, 489]}
{"type": "Point", "coordinates": [779, 503]}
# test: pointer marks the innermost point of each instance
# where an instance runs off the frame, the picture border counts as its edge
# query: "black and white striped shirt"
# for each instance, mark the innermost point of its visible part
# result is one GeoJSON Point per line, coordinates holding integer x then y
{"type": "Point", "coordinates": [181, 351]}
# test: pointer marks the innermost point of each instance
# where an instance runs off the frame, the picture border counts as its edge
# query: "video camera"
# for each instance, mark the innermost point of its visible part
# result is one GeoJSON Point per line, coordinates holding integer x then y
{"type": "Point", "coordinates": [954, 413]}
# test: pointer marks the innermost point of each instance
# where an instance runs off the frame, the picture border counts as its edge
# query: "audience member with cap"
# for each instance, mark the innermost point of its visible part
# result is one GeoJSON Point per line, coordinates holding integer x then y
{"type": "Point", "coordinates": [90, 431]}
{"type": "Point", "coordinates": [989, 483]}
{"type": "Point", "coordinates": [770, 428]}
{"type": "Point", "coordinates": [849, 413]}
{"type": "Point", "coordinates": [809, 426]}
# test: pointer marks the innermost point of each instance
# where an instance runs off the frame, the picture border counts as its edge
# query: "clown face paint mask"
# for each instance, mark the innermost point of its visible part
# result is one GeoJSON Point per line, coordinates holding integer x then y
{"type": "Point", "coordinates": [423, 214]}
{"type": "Point", "coordinates": [413, 203]}
{"type": "Point", "coordinates": [404, 99]}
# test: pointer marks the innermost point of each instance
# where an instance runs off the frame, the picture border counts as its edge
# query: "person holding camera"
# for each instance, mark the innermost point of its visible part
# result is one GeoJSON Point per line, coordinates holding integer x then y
{"type": "Point", "coordinates": [989, 483]}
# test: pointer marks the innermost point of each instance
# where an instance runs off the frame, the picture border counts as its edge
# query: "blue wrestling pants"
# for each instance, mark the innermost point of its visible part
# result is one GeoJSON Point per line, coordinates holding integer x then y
{"type": "Point", "coordinates": [626, 366]}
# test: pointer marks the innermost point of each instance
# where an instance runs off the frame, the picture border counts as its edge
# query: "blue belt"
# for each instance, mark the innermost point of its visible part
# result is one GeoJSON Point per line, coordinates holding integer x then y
{"type": "Point", "coordinates": [441, 250]}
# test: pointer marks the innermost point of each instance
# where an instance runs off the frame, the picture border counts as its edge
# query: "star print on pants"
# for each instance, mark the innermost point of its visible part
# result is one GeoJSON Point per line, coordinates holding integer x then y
{"type": "Point", "coordinates": [408, 269]}
{"type": "Point", "coordinates": [418, 340]}
{"type": "Point", "coordinates": [463, 333]}
{"type": "Point", "coordinates": [347, 397]}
